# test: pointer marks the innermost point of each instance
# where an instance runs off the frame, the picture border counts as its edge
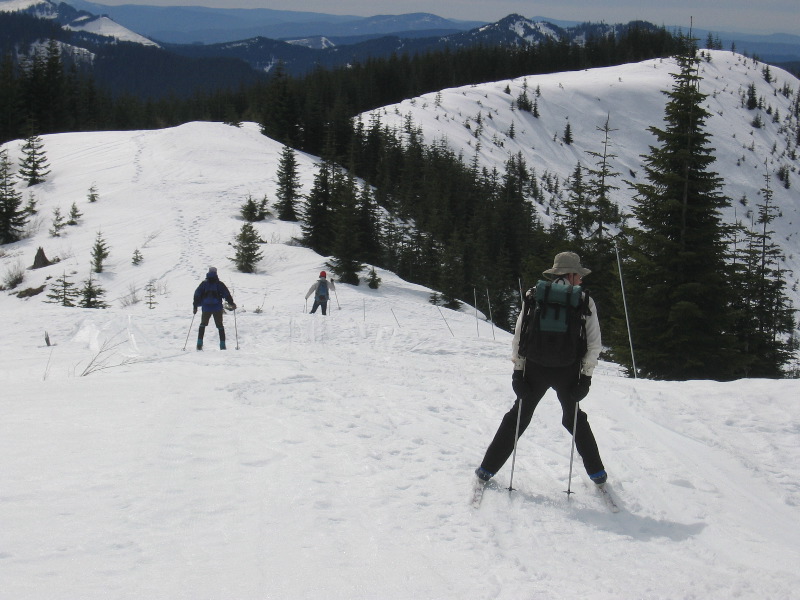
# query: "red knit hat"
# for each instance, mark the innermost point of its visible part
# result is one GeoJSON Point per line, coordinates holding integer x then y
{"type": "Point", "coordinates": [323, 274]}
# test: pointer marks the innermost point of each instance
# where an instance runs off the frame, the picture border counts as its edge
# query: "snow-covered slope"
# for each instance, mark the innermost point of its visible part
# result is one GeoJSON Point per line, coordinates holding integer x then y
{"type": "Point", "coordinates": [477, 119]}
{"type": "Point", "coordinates": [70, 18]}
{"type": "Point", "coordinates": [331, 457]}
{"type": "Point", "coordinates": [109, 28]}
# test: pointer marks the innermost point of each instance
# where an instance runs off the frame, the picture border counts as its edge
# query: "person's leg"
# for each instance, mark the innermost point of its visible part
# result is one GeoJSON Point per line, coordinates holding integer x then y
{"type": "Point", "coordinates": [502, 445]}
{"type": "Point", "coordinates": [324, 304]}
{"type": "Point", "coordinates": [205, 317]}
{"type": "Point", "coordinates": [585, 443]}
{"type": "Point", "coordinates": [220, 328]}
{"type": "Point", "coordinates": [315, 306]}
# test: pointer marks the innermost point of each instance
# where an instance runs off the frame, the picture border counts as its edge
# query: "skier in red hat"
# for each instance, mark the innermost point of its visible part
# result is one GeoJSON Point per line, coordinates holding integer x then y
{"type": "Point", "coordinates": [321, 289]}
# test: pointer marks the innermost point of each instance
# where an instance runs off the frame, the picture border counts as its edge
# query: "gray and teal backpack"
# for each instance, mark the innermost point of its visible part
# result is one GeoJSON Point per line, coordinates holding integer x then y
{"type": "Point", "coordinates": [322, 290]}
{"type": "Point", "coordinates": [553, 331]}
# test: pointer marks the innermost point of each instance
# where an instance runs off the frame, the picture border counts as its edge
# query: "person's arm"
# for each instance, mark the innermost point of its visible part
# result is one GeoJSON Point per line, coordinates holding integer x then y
{"type": "Point", "coordinates": [519, 362]}
{"type": "Point", "coordinates": [226, 294]}
{"type": "Point", "coordinates": [594, 343]}
{"type": "Point", "coordinates": [198, 296]}
{"type": "Point", "coordinates": [312, 289]}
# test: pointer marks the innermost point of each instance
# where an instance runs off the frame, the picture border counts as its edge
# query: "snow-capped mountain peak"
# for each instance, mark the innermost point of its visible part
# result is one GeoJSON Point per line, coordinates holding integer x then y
{"type": "Point", "coordinates": [75, 20]}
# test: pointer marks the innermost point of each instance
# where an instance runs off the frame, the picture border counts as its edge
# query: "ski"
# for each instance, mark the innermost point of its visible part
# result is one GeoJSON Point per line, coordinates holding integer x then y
{"type": "Point", "coordinates": [478, 488]}
{"type": "Point", "coordinates": [608, 499]}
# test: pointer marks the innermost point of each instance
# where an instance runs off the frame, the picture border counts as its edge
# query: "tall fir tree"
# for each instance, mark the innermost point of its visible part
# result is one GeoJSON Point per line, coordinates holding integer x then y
{"type": "Point", "coordinates": [317, 224]}
{"type": "Point", "coordinates": [12, 217]}
{"type": "Point", "coordinates": [288, 192]}
{"type": "Point", "coordinates": [598, 249]}
{"type": "Point", "coordinates": [33, 168]}
{"type": "Point", "coordinates": [369, 227]}
{"type": "Point", "coordinates": [346, 244]}
{"type": "Point", "coordinates": [676, 273]}
{"type": "Point", "coordinates": [766, 316]}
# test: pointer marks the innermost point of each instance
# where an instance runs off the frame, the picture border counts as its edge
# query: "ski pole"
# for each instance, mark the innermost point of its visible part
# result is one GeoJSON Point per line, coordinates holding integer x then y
{"type": "Point", "coordinates": [516, 435]}
{"type": "Point", "coordinates": [516, 438]}
{"type": "Point", "coordinates": [337, 299]}
{"type": "Point", "coordinates": [235, 329]}
{"type": "Point", "coordinates": [569, 491]}
{"type": "Point", "coordinates": [190, 332]}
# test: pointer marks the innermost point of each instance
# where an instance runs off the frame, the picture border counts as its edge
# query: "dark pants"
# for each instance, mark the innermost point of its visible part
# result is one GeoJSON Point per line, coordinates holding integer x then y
{"type": "Point", "coordinates": [537, 381]}
{"type": "Point", "coordinates": [317, 303]}
{"type": "Point", "coordinates": [204, 320]}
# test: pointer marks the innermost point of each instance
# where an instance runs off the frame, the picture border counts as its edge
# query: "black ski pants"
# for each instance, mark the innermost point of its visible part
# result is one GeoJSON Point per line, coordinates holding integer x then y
{"type": "Point", "coordinates": [320, 302]}
{"type": "Point", "coordinates": [537, 380]}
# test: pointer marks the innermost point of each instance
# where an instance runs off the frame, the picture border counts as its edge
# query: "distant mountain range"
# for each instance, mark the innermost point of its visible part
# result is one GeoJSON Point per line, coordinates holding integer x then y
{"type": "Point", "coordinates": [300, 41]}
{"type": "Point", "coordinates": [197, 24]}
{"type": "Point", "coordinates": [263, 53]}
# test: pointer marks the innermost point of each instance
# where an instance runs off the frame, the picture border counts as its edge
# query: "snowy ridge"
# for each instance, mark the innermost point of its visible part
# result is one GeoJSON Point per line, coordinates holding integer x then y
{"type": "Point", "coordinates": [104, 26]}
{"type": "Point", "coordinates": [476, 120]}
{"type": "Point", "coordinates": [332, 457]}
{"type": "Point", "coordinates": [75, 20]}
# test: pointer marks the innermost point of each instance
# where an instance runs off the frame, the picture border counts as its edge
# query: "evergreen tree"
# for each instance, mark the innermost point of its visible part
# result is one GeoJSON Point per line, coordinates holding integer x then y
{"type": "Point", "coordinates": [767, 317]}
{"type": "Point", "coordinates": [93, 195]}
{"type": "Point", "coordinates": [676, 269]}
{"type": "Point", "coordinates": [373, 281]}
{"type": "Point", "coordinates": [368, 227]}
{"type": "Point", "coordinates": [91, 295]}
{"type": "Point", "coordinates": [288, 192]}
{"type": "Point", "coordinates": [74, 215]}
{"type": "Point", "coordinates": [253, 211]}
{"type": "Point", "coordinates": [600, 185]}
{"type": "Point", "coordinates": [137, 257]}
{"type": "Point", "coordinates": [99, 253]}
{"type": "Point", "coordinates": [12, 217]}
{"type": "Point", "coordinates": [33, 168]}
{"type": "Point", "coordinates": [568, 134]}
{"type": "Point", "coordinates": [63, 293]}
{"type": "Point", "coordinates": [578, 212]}
{"type": "Point", "coordinates": [752, 97]}
{"type": "Point", "coordinates": [598, 248]}
{"type": "Point", "coordinates": [58, 223]}
{"type": "Point", "coordinates": [30, 208]}
{"type": "Point", "coordinates": [317, 219]}
{"type": "Point", "coordinates": [346, 245]}
{"type": "Point", "coordinates": [451, 276]}
{"type": "Point", "coordinates": [150, 294]}
{"type": "Point", "coordinates": [247, 249]}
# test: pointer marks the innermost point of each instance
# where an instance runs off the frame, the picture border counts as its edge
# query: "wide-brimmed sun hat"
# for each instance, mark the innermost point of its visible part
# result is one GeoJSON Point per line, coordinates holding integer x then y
{"type": "Point", "coordinates": [565, 263]}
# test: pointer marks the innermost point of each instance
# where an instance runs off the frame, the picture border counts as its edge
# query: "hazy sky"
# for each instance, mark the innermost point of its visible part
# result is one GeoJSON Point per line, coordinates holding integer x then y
{"type": "Point", "coordinates": [755, 16]}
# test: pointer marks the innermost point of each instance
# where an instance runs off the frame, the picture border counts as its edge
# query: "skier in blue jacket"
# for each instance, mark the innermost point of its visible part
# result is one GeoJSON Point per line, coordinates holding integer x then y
{"type": "Point", "coordinates": [209, 296]}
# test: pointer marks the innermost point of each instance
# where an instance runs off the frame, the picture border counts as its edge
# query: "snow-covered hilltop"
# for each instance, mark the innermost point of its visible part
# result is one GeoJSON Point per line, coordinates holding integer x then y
{"type": "Point", "coordinates": [75, 20]}
{"type": "Point", "coordinates": [331, 457]}
{"type": "Point", "coordinates": [485, 121]}
{"type": "Point", "coordinates": [105, 26]}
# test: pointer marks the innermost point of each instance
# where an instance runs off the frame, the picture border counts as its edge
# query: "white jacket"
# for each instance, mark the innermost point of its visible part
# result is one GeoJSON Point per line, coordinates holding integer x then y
{"type": "Point", "coordinates": [593, 342]}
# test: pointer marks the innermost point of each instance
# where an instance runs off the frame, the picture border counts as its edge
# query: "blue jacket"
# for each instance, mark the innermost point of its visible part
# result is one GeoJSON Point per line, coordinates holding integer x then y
{"type": "Point", "coordinates": [210, 294]}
